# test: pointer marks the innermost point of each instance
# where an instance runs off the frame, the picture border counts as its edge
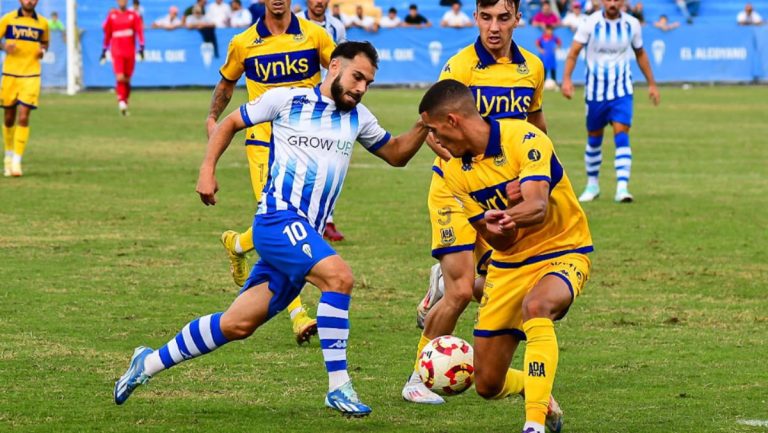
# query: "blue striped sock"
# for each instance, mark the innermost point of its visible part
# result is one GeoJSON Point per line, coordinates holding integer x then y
{"type": "Point", "coordinates": [200, 336]}
{"type": "Point", "coordinates": [333, 330]}
{"type": "Point", "coordinates": [623, 161]}
{"type": "Point", "coordinates": [593, 157]}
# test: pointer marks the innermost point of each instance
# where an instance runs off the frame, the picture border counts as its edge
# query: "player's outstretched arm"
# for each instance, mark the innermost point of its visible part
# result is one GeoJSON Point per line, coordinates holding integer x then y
{"type": "Point", "coordinates": [399, 150]}
{"type": "Point", "coordinates": [222, 94]}
{"type": "Point", "coordinates": [570, 65]}
{"type": "Point", "coordinates": [207, 186]}
{"type": "Point", "coordinates": [645, 66]}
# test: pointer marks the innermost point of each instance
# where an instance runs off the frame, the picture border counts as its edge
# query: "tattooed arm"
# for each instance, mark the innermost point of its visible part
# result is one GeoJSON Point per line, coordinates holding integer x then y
{"type": "Point", "coordinates": [222, 94]}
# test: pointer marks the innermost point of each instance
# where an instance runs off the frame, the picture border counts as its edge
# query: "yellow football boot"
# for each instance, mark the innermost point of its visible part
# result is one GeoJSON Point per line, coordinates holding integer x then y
{"type": "Point", "coordinates": [304, 327]}
{"type": "Point", "coordinates": [238, 265]}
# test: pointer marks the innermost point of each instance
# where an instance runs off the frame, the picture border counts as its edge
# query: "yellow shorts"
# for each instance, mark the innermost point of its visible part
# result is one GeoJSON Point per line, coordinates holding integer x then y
{"type": "Point", "coordinates": [451, 231]}
{"type": "Point", "coordinates": [501, 309]}
{"type": "Point", "coordinates": [257, 149]}
{"type": "Point", "coordinates": [20, 90]}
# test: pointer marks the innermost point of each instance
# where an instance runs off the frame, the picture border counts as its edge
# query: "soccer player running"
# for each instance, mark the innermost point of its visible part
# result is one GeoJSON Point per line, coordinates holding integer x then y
{"type": "Point", "coordinates": [314, 130]}
{"type": "Point", "coordinates": [317, 12]}
{"type": "Point", "coordinates": [26, 37]}
{"type": "Point", "coordinates": [279, 50]}
{"type": "Point", "coordinates": [506, 82]}
{"type": "Point", "coordinates": [539, 262]}
{"type": "Point", "coordinates": [609, 37]}
{"type": "Point", "coordinates": [123, 28]}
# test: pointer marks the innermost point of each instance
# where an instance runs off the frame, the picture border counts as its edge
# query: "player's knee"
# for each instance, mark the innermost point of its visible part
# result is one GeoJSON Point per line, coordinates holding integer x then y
{"type": "Point", "coordinates": [23, 119]}
{"type": "Point", "coordinates": [487, 389]}
{"type": "Point", "coordinates": [342, 282]}
{"type": "Point", "coordinates": [460, 297]}
{"type": "Point", "coordinates": [237, 329]}
{"type": "Point", "coordinates": [534, 307]}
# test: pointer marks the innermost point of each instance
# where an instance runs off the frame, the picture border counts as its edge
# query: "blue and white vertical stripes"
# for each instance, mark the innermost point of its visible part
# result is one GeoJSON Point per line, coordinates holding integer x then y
{"type": "Point", "coordinates": [623, 161]}
{"type": "Point", "coordinates": [610, 46]}
{"type": "Point", "coordinates": [198, 337]}
{"type": "Point", "coordinates": [312, 142]}
{"type": "Point", "coordinates": [333, 329]}
{"type": "Point", "coordinates": [593, 156]}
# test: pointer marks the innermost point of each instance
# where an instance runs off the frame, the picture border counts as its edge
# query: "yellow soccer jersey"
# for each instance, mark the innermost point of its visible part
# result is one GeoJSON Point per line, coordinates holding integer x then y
{"type": "Point", "coordinates": [502, 88]}
{"type": "Point", "coordinates": [518, 150]}
{"type": "Point", "coordinates": [27, 35]}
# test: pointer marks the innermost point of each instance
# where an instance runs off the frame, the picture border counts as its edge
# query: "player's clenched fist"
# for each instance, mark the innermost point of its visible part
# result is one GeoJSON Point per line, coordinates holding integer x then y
{"type": "Point", "coordinates": [207, 187]}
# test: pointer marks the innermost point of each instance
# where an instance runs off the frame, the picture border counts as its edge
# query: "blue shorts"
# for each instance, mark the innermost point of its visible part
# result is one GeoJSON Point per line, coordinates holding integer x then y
{"type": "Point", "coordinates": [602, 113]}
{"type": "Point", "coordinates": [288, 248]}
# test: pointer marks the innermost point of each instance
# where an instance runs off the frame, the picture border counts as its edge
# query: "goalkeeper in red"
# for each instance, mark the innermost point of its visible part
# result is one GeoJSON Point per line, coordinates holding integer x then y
{"type": "Point", "coordinates": [122, 29]}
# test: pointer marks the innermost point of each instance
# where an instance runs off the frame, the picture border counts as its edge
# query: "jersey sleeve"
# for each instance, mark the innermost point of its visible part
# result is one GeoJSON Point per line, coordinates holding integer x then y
{"type": "Point", "coordinates": [107, 26]}
{"type": "Point", "coordinates": [265, 108]}
{"type": "Point", "coordinates": [453, 70]}
{"type": "Point", "coordinates": [371, 135]}
{"type": "Point", "coordinates": [138, 23]}
{"type": "Point", "coordinates": [637, 35]}
{"type": "Point", "coordinates": [234, 65]}
{"type": "Point", "coordinates": [535, 157]}
{"type": "Point", "coordinates": [341, 32]}
{"type": "Point", "coordinates": [325, 46]}
{"type": "Point", "coordinates": [538, 91]}
{"type": "Point", "coordinates": [583, 32]}
{"type": "Point", "coordinates": [3, 26]}
{"type": "Point", "coordinates": [46, 33]}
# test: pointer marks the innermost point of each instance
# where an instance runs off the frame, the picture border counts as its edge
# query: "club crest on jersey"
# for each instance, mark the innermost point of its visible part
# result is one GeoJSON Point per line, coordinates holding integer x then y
{"type": "Point", "coordinates": [299, 37]}
{"type": "Point", "coordinates": [447, 236]}
{"type": "Point", "coordinates": [307, 250]}
{"type": "Point", "coordinates": [534, 155]}
{"type": "Point", "coordinates": [522, 68]}
{"type": "Point", "coordinates": [499, 160]}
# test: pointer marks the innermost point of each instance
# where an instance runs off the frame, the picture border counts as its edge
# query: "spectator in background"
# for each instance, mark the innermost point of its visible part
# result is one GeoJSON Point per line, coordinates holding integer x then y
{"type": "Point", "coordinates": [138, 8]}
{"type": "Point", "coordinates": [547, 44]}
{"type": "Point", "coordinates": [360, 20]}
{"type": "Point", "coordinates": [190, 10]}
{"type": "Point", "coordinates": [562, 6]}
{"type": "Point", "coordinates": [54, 24]}
{"type": "Point", "coordinates": [546, 17]}
{"type": "Point", "coordinates": [415, 19]}
{"type": "Point", "coordinates": [391, 20]}
{"type": "Point", "coordinates": [689, 9]}
{"type": "Point", "coordinates": [638, 12]}
{"type": "Point", "coordinates": [574, 17]}
{"type": "Point", "coordinates": [336, 11]}
{"type": "Point", "coordinates": [591, 6]}
{"type": "Point", "coordinates": [219, 13]}
{"type": "Point", "coordinates": [664, 25]}
{"type": "Point", "coordinates": [456, 18]}
{"type": "Point", "coordinates": [198, 20]}
{"type": "Point", "coordinates": [317, 12]}
{"type": "Point", "coordinates": [257, 9]}
{"type": "Point", "coordinates": [749, 16]}
{"type": "Point", "coordinates": [240, 16]}
{"type": "Point", "coordinates": [170, 21]}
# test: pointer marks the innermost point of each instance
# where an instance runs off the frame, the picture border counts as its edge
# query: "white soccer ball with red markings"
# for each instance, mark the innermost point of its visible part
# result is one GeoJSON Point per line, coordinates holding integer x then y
{"type": "Point", "coordinates": [445, 365]}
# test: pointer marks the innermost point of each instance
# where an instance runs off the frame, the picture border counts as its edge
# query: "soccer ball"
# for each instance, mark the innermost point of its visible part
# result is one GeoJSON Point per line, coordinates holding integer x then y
{"type": "Point", "coordinates": [445, 365]}
{"type": "Point", "coordinates": [550, 84]}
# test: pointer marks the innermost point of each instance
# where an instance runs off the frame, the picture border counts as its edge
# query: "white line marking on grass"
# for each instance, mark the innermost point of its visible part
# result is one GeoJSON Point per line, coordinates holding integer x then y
{"type": "Point", "coordinates": [754, 422]}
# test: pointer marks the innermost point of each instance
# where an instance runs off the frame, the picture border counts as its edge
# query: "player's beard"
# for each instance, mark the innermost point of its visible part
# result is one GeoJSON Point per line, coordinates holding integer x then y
{"type": "Point", "coordinates": [337, 92]}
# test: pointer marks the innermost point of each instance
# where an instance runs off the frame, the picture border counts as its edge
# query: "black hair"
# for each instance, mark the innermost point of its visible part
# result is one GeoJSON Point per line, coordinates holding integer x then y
{"type": "Point", "coordinates": [392, 10]}
{"type": "Point", "coordinates": [350, 49]}
{"type": "Point", "coordinates": [486, 3]}
{"type": "Point", "coordinates": [443, 93]}
{"type": "Point", "coordinates": [413, 6]}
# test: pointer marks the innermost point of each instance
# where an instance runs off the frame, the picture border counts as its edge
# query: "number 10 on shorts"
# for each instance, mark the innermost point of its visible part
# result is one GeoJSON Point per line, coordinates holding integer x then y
{"type": "Point", "coordinates": [295, 232]}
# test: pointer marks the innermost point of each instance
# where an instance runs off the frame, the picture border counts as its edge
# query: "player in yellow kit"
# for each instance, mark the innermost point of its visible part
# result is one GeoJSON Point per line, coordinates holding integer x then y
{"type": "Point", "coordinates": [506, 81]}
{"type": "Point", "coordinates": [539, 262]}
{"type": "Point", "coordinates": [25, 35]}
{"type": "Point", "coordinates": [279, 50]}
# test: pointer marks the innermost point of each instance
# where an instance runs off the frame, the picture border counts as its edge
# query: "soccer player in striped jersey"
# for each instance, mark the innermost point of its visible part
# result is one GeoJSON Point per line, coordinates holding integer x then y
{"type": "Point", "coordinates": [25, 35]}
{"type": "Point", "coordinates": [610, 39]}
{"type": "Point", "coordinates": [314, 131]}
{"type": "Point", "coordinates": [280, 50]}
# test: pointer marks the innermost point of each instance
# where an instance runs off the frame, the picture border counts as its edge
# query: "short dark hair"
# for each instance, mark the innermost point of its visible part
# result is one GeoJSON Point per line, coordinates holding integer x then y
{"type": "Point", "coordinates": [392, 10]}
{"type": "Point", "coordinates": [444, 93]}
{"type": "Point", "coordinates": [413, 6]}
{"type": "Point", "coordinates": [350, 49]}
{"type": "Point", "coordinates": [486, 3]}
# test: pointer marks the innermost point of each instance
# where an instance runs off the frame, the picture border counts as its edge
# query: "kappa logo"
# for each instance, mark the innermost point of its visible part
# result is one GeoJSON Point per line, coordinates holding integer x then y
{"type": "Point", "coordinates": [307, 250]}
{"type": "Point", "coordinates": [339, 344]}
{"type": "Point", "coordinates": [447, 67]}
{"type": "Point", "coordinates": [529, 136]}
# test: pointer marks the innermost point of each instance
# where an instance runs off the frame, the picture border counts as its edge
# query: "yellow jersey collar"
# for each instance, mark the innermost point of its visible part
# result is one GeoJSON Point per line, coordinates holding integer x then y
{"type": "Point", "coordinates": [294, 28]}
{"type": "Point", "coordinates": [20, 13]}
{"type": "Point", "coordinates": [486, 58]}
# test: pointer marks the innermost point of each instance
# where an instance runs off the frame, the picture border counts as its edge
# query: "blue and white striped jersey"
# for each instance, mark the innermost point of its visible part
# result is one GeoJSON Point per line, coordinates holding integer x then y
{"type": "Point", "coordinates": [332, 25]}
{"type": "Point", "coordinates": [610, 46]}
{"type": "Point", "coordinates": [311, 146]}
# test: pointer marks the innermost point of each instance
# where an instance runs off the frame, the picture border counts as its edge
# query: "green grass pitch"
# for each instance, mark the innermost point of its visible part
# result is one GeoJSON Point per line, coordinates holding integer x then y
{"type": "Point", "coordinates": [104, 245]}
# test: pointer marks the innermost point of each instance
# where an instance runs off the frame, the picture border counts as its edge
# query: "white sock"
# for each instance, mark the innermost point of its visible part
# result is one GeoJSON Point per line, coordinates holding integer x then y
{"type": "Point", "coordinates": [336, 379]}
{"type": "Point", "coordinates": [622, 184]}
{"type": "Point", "coordinates": [593, 181]}
{"type": "Point", "coordinates": [330, 219]}
{"type": "Point", "coordinates": [238, 248]}
{"type": "Point", "coordinates": [16, 159]}
{"type": "Point", "coordinates": [9, 154]}
{"type": "Point", "coordinates": [153, 364]}
{"type": "Point", "coordinates": [537, 428]}
{"type": "Point", "coordinates": [296, 311]}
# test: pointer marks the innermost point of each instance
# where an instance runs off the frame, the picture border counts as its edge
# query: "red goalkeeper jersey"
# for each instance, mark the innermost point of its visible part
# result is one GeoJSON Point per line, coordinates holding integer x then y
{"type": "Point", "coordinates": [121, 29]}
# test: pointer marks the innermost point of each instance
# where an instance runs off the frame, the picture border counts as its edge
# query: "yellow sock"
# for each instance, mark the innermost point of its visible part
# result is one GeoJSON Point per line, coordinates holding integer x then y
{"type": "Point", "coordinates": [513, 384]}
{"type": "Point", "coordinates": [539, 366]}
{"type": "Point", "coordinates": [246, 241]}
{"type": "Point", "coordinates": [8, 135]}
{"type": "Point", "coordinates": [20, 138]}
{"type": "Point", "coordinates": [423, 341]}
{"type": "Point", "coordinates": [296, 303]}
